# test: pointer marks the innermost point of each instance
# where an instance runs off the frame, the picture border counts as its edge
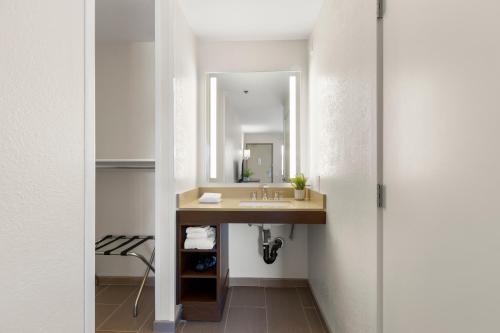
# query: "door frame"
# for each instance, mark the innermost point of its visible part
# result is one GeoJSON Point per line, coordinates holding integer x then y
{"type": "Point", "coordinates": [89, 166]}
{"type": "Point", "coordinates": [165, 204]}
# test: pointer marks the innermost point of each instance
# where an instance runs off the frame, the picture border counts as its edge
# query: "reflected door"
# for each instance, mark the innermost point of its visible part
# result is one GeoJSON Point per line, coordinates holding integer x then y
{"type": "Point", "coordinates": [260, 162]}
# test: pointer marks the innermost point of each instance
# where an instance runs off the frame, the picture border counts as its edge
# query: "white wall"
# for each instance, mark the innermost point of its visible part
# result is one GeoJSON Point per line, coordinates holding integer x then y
{"type": "Point", "coordinates": [245, 256]}
{"type": "Point", "coordinates": [186, 112]}
{"type": "Point", "coordinates": [175, 96]}
{"type": "Point", "coordinates": [165, 226]}
{"type": "Point", "coordinates": [124, 129]}
{"type": "Point", "coordinates": [276, 139]}
{"type": "Point", "coordinates": [441, 166]}
{"type": "Point", "coordinates": [42, 166]}
{"type": "Point", "coordinates": [343, 253]}
{"type": "Point", "coordinates": [124, 205]}
{"type": "Point", "coordinates": [254, 57]}
{"type": "Point", "coordinates": [125, 100]}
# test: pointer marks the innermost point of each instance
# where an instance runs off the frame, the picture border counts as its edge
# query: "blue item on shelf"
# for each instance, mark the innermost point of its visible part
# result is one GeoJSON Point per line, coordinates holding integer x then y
{"type": "Point", "coordinates": [206, 264]}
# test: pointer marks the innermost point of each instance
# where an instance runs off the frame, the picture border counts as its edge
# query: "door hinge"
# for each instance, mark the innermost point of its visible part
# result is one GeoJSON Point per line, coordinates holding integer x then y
{"type": "Point", "coordinates": [380, 196]}
{"type": "Point", "coordinates": [380, 9]}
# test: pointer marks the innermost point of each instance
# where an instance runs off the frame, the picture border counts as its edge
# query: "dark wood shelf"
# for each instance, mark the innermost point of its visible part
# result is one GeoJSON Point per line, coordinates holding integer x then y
{"type": "Point", "coordinates": [191, 274]}
{"type": "Point", "coordinates": [204, 298]}
{"type": "Point", "coordinates": [214, 250]}
{"type": "Point", "coordinates": [202, 294]}
{"type": "Point", "coordinates": [207, 217]}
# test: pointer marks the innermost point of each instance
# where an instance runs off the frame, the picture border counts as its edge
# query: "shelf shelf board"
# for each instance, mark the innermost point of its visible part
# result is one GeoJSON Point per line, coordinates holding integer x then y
{"type": "Point", "coordinates": [199, 298]}
{"type": "Point", "coordinates": [191, 274]}
{"type": "Point", "coordinates": [214, 250]}
{"type": "Point", "coordinates": [140, 163]}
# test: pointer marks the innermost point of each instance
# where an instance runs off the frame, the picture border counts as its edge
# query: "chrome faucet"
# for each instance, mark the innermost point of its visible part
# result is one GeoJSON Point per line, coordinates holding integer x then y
{"type": "Point", "coordinates": [264, 192]}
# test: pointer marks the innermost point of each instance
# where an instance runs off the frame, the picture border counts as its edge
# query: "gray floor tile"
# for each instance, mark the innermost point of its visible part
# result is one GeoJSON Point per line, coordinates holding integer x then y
{"type": "Point", "coordinates": [314, 320]}
{"type": "Point", "coordinates": [284, 311]}
{"type": "Point", "coordinates": [246, 320]}
{"type": "Point", "coordinates": [248, 296]}
{"type": "Point", "coordinates": [148, 327]}
{"type": "Point", "coordinates": [122, 319]}
{"type": "Point", "coordinates": [202, 327]}
{"type": "Point", "coordinates": [99, 288]}
{"type": "Point", "coordinates": [306, 297]}
{"type": "Point", "coordinates": [102, 311]}
{"type": "Point", "coordinates": [179, 327]}
{"type": "Point", "coordinates": [247, 310]}
{"type": "Point", "coordinates": [114, 294]}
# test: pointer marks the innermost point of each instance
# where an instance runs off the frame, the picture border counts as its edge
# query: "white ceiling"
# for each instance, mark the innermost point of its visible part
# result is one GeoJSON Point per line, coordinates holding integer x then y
{"type": "Point", "coordinates": [243, 20]}
{"type": "Point", "coordinates": [125, 20]}
{"type": "Point", "coordinates": [261, 110]}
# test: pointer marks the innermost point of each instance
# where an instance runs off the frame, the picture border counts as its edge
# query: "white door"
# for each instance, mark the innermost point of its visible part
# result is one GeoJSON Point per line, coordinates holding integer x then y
{"type": "Point", "coordinates": [441, 235]}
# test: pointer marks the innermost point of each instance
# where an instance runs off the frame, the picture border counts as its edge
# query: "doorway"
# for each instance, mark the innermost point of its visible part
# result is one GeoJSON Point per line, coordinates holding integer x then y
{"type": "Point", "coordinates": [260, 164]}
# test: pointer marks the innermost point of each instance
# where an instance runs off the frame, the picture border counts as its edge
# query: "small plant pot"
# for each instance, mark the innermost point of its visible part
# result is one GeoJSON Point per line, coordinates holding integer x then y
{"type": "Point", "coordinates": [300, 194]}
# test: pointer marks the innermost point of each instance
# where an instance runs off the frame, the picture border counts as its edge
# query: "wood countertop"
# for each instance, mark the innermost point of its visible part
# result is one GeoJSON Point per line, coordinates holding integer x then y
{"type": "Point", "coordinates": [230, 210]}
{"type": "Point", "coordinates": [233, 204]}
{"type": "Point", "coordinates": [233, 196]}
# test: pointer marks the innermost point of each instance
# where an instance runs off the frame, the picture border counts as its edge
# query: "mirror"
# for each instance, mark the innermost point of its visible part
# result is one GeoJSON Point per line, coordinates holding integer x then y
{"type": "Point", "coordinates": [252, 127]}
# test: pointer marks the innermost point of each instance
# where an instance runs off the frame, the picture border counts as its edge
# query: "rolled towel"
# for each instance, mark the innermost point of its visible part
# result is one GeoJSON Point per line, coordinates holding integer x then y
{"type": "Point", "coordinates": [200, 244]}
{"type": "Point", "coordinates": [210, 198]}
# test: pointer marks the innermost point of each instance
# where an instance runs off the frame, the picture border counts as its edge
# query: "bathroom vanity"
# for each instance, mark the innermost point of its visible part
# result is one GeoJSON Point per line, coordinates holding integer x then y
{"type": "Point", "coordinates": [203, 294]}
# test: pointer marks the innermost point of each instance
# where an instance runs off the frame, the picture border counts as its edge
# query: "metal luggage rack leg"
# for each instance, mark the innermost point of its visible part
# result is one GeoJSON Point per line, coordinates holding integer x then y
{"type": "Point", "coordinates": [108, 246]}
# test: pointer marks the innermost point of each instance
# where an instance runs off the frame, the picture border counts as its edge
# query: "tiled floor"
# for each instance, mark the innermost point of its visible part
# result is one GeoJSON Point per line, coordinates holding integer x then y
{"type": "Point", "coordinates": [248, 310]}
{"type": "Point", "coordinates": [113, 309]}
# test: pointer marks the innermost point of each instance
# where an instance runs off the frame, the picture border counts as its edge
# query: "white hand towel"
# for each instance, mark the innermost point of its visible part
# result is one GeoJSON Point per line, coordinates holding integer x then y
{"type": "Point", "coordinates": [200, 232]}
{"type": "Point", "coordinates": [190, 230]}
{"type": "Point", "coordinates": [201, 235]}
{"type": "Point", "coordinates": [210, 198]}
{"type": "Point", "coordinates": [199, 244]}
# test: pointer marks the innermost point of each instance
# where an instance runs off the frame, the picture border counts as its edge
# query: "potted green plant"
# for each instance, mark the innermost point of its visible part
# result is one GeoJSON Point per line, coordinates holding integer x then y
{"type": "Point", "coordinates": [299, 185]}
{"type": "Point", "coordinates": [247, 173]}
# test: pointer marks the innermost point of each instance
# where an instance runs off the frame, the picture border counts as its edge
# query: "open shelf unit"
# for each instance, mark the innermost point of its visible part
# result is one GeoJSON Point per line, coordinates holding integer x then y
{"type": "Point", "coordinates": [202, 294]}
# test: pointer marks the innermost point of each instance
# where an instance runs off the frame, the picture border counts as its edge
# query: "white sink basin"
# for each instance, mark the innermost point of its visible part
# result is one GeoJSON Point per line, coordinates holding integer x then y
{"type": "Point", "coordinates": [270, 204]}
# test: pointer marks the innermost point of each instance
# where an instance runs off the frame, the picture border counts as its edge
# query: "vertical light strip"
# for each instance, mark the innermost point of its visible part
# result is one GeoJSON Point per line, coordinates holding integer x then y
{"type": "Point", "coordinates": [293, 126]}
{"type": "Point", "coordinates": [282, 161]}
{"type": "Point", "coordinates": [213, 128]}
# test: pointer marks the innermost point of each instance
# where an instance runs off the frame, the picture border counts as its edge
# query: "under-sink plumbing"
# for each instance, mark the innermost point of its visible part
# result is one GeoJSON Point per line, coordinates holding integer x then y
{"type": "Point", "coordinates": [270, 248]}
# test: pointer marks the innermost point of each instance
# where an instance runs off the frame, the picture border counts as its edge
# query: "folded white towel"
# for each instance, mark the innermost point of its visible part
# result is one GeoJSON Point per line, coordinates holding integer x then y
{"type": "Point", "coordinates": [199, 230]}
{"type": "Point", "coordinates": [199, 244]}
{"type": "Point", "coordinates": [201, 235]}
{"type": "Point", "coordinates": [210, 198]}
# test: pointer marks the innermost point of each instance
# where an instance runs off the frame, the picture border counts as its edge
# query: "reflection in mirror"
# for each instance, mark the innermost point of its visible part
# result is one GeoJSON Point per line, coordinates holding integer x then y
{"type": "Point", "coordinates": [252, 127]}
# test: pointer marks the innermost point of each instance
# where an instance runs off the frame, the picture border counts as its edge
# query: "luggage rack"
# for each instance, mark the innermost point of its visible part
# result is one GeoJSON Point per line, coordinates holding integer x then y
{"type": "Point", "coordinates": [112, 245]}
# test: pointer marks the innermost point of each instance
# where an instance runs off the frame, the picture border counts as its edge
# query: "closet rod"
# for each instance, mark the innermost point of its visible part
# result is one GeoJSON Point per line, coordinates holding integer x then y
{"type": "Point", "coordinates": [130, 167]}
{"type": "Point", "coordinates": [125, 164]}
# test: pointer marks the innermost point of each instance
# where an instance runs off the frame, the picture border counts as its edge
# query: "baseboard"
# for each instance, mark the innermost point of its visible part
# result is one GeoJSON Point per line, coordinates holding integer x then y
{"type": "Point", "coordinates": [178, 313]}
{"type": "Point", "coordinates": [267, 282]}
{"type": "Point", "coordinates": [125, 280]}
{"type": "Point", "coordinates": [320, 312]}
{"type": "Point", "coordinates": [167, 326]}
{"type": "Point", "coordinates": [164, 326]}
